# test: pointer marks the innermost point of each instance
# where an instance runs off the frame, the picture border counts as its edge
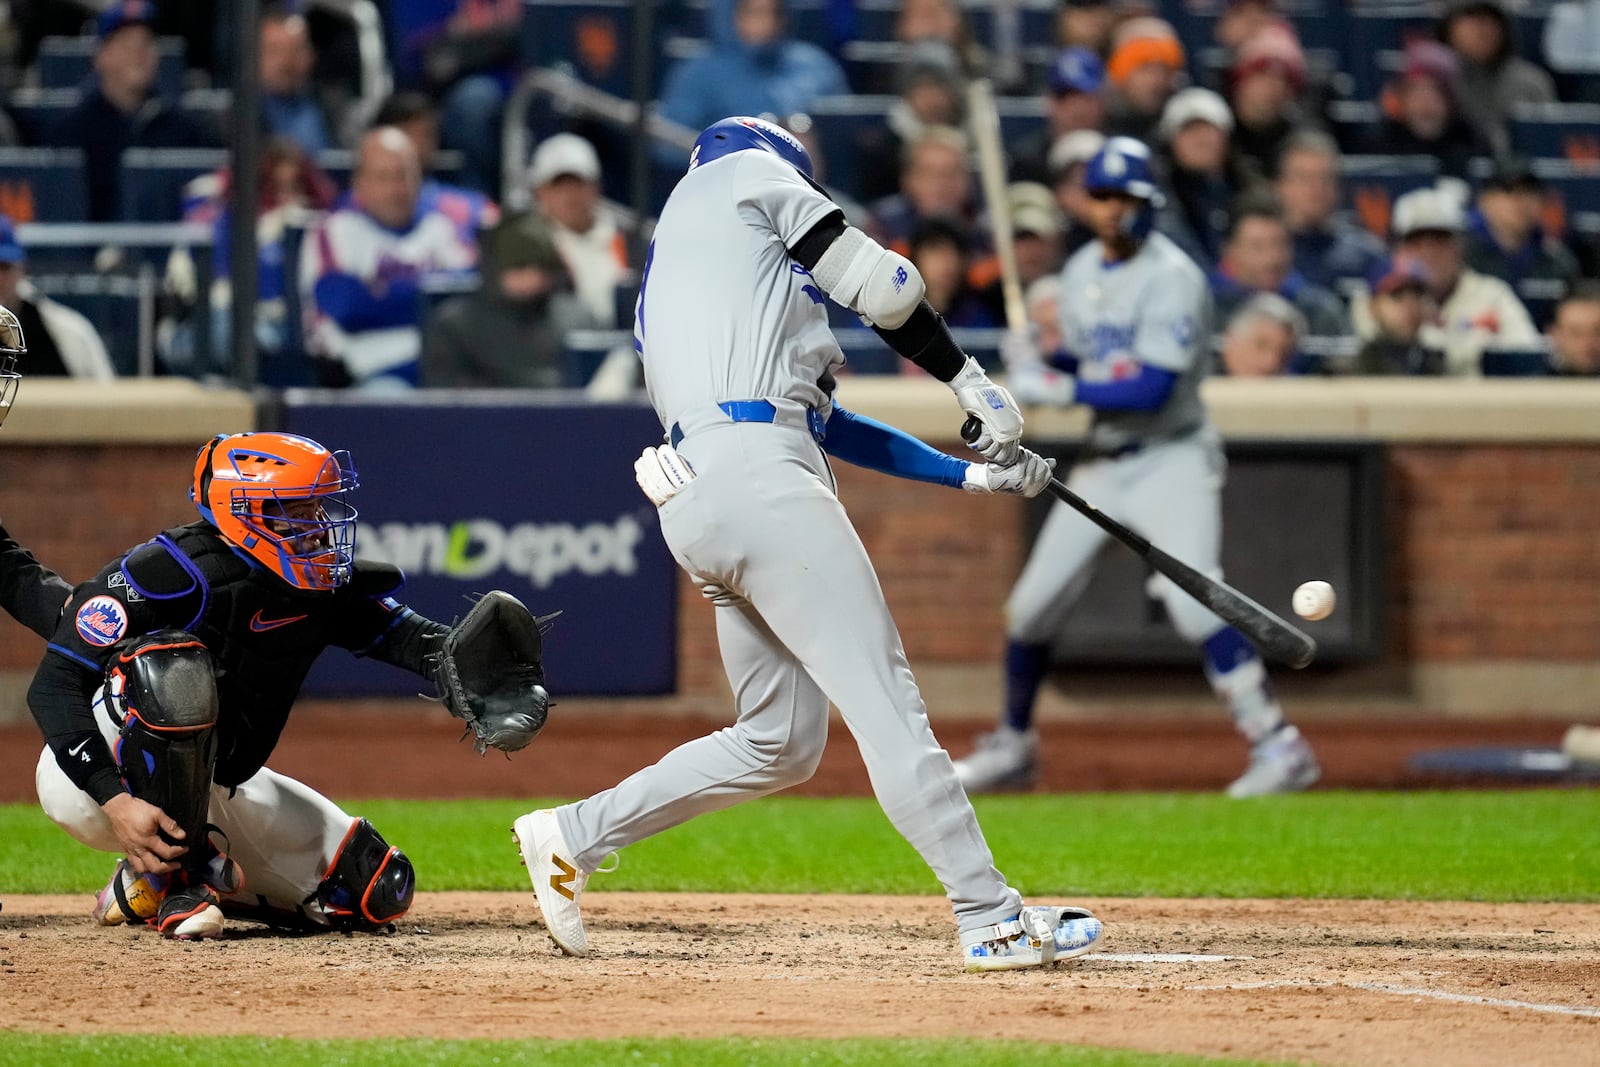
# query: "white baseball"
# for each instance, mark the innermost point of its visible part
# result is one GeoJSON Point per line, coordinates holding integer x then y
{"type": "Point", "coordinates": [1314, 600]}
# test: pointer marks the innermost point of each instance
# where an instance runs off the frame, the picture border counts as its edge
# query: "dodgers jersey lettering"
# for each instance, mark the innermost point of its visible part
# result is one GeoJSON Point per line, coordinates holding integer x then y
{"type": "Point", "coordinates": [1152, 308]}
{"type": "Point", "coordinates": [763, 333]}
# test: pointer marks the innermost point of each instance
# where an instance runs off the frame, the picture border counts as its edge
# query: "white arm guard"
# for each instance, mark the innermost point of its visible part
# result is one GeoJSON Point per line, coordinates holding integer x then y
{"type": "Point", "coordinates": [881, 286]}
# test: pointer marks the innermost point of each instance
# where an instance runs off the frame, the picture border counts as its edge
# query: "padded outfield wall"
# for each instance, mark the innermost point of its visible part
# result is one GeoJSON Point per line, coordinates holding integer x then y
{"type": "Point", "coordinates": [1489, 533]}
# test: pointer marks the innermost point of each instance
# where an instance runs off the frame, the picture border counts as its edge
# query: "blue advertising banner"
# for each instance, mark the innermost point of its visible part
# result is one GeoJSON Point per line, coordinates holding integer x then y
{"type": "Point", "coordinates": [469, 492]}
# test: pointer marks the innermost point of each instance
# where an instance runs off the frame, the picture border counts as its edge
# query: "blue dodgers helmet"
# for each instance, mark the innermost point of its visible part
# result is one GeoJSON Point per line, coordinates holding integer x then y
{"type": "Point", "coordinates": [742, 133]}
{"type": "Point", "coordinates": [1123, 166]}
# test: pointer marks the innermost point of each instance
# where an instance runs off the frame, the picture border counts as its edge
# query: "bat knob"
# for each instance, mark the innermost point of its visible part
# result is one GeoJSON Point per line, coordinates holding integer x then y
{"type": "Point", "coordinates": [971, 429]}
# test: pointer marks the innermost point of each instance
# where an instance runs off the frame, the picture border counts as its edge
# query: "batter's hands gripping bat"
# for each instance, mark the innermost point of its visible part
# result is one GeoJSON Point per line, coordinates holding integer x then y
{"type": "Point", "coordinates": [1275, 637]}
{"type": "Point", "coordinates": [985, 124]}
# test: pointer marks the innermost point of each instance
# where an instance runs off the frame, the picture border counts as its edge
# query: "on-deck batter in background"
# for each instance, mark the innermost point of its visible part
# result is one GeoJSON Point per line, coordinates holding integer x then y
{"type": "Point", "coordinates": [1136, 323]}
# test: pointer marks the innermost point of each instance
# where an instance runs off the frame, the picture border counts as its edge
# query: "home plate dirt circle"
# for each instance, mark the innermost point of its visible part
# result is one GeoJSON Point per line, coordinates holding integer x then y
{"type": "Point", "coordinates": [1321, 982]}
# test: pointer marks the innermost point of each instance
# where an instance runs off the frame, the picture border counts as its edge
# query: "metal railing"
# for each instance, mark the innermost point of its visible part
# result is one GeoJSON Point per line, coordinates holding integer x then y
{"type": "Point", "coordinates": [376, 80]}
{"type": "Point", "coordinates": [575, 97]}
{"type": "Point", "coordinates": [144, 285]}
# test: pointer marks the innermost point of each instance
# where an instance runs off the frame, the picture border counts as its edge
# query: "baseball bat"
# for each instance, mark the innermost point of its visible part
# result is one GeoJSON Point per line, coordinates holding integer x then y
{"type": "Point", "coordinates": [984, 119]}
{"type": "Point", "coordinates": [1275, 637]}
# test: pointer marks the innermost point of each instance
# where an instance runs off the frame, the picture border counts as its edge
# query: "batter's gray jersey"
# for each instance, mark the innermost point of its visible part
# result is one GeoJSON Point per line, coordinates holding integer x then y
{"type": "Point", "coordinates": [1153, 308]}
{"type": "Point", "coordinates": [724, 313]}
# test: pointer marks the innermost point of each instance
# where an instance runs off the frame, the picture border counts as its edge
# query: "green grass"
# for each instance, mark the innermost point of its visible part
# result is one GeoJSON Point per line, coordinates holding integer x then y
{"type": "Point", "coordinates": [1494, 846]}
{"type": "Point", "coordinates": [162, 1051]}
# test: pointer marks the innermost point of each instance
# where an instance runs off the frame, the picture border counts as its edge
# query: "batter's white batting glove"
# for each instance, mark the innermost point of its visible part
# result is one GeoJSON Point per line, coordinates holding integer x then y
{"type": "Point", "coordinates": [1020, 346]}
{"type": "Point", "coordinates": [1040, 383]}
{"type": "Point", "coordinates": [662, 473]}
{"type": "Point", "coordinates": [994, 423]}
{"type": "Point", "coordinates": [1026, 477]}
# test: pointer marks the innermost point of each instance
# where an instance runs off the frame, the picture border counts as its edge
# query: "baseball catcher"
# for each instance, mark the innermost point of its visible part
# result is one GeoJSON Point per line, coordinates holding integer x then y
{"type": "Point", "coordinates": [172, 673]}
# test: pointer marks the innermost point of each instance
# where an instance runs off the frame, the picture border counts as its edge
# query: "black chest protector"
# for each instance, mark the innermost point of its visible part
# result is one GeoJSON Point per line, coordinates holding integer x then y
{"type": "Point", "coordinates": [263, 634]}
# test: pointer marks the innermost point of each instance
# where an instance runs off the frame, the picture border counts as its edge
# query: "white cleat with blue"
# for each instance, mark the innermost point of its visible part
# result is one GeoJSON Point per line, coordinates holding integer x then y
{"type": "Point", "coordinates": [1038, 937]}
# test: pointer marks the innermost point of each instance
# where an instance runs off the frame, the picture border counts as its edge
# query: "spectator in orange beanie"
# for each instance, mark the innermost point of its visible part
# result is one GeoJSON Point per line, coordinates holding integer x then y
{"type": "Point", "coordinates": [1143, 71]}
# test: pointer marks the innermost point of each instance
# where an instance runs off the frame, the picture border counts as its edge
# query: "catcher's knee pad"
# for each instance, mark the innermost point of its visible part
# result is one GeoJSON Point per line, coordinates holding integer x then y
{"type": "Point", "coordinates": [163, 689]}
{"type": "Point", "coordinates": [369, 884]}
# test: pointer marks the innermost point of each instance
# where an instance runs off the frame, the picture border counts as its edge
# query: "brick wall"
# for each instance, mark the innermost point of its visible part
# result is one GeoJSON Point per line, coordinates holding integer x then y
{"type": "Point", "coordinates": [1494, 550]}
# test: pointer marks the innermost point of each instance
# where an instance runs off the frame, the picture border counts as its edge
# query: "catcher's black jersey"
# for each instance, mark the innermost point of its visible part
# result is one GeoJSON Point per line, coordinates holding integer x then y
{"type": "Point", "coordinates": [263, 635]}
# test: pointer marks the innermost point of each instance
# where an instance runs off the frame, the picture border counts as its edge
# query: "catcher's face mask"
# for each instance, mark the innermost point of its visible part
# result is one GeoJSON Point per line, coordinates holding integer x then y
{"type": "Point", "coordinates": [282, 499]}
{"type": "Point", "coordinates": [12, 349]}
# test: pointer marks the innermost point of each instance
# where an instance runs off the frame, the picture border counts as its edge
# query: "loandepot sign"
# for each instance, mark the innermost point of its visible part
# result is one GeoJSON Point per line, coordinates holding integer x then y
{"type": "Point", "coordinates": [473, 548]}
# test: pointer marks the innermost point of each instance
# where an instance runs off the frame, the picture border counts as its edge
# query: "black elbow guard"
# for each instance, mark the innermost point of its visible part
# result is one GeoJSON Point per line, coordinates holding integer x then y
{"type": "Point", "coordinates": [925, 340]}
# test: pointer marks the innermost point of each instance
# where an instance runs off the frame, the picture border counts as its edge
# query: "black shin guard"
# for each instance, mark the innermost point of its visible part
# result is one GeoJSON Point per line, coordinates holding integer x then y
{"type": "Point", "coordinates": [369, 884]}
{"type": "Point", "coordinates": [165, 691]}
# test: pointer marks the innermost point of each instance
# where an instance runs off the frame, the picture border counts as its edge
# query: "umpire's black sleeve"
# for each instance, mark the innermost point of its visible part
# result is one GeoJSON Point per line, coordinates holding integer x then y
{"type": "Point", "coordinates": [31, 593]}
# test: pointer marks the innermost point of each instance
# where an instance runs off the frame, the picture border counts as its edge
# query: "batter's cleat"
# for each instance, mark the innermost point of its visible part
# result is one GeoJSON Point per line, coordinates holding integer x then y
{"type": "Point", "coordinates": [1039, 936]}
{"type": "Point", "coordinates": [129, 897]}
{"type": "Point", "coordinates": [557, 881]}
{"type": "Point", "coordinates": [1005, 760]}
{"type": "Point", "coordinates": [189, 914]}
{"type": "Point", "coordinates": [1280, 763]}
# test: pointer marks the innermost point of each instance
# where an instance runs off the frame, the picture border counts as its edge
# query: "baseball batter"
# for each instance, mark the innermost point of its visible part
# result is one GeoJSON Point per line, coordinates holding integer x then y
{"type": "Point", "coordinates": [739, 364]}
{"type": "Point", "coordinates": [1136, 323]}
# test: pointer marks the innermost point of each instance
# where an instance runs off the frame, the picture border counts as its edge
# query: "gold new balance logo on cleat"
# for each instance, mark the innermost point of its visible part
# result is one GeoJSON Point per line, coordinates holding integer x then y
{"type": "Point", "coordinates": [562, 883]}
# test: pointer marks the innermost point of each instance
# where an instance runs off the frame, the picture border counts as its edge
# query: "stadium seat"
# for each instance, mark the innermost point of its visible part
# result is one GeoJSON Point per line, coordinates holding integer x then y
{"type": "Point", "coordinates": [593, 39]}
{"type": "Point", "coordinates": [1540, 296]}
{"type": "Point", "coordinates": [841, 123]}
{"type": "Point", "coordinates": [808, 21]}
{"type": "Point", "coordinates": [153, 180]}
{"type": "Point", "coordinates": [1572, 195]}
{"type": "Point", "coordinates": [1556, 131]}
{"type": "Point", "coordinates": [40, 112]}
{"type": "Point", "coordinates": [1514, 363]}
{"type": "Point", "coordinates": [67, 62]}
{"type": "Point", "coordinates": [43, 185]}
{"type": "Point", "coordinates": [112, 302]}
{"type": "Point", "coordinates": [1372, 182]}
{"type": "Point", "coordinates": [1374, 40]}
{"type": "Point", "coordinates": [585, 350]}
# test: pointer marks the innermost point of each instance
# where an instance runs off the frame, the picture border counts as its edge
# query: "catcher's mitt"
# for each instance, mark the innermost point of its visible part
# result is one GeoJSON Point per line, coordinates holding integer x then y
{"type": "Point", "coordinates": [488, 671]}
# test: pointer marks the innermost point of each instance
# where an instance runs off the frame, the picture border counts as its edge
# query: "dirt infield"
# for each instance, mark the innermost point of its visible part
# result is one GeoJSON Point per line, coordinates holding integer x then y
{"type": "Point", "coordinates": [1321, 982]}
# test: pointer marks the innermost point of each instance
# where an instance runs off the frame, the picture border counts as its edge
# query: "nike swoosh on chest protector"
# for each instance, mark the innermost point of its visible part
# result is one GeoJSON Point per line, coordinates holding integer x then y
{"type": "Point", "coordinates": [261, 626]}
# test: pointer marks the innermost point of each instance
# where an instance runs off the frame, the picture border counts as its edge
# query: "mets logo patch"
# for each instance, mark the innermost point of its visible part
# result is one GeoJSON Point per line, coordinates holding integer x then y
{"type": "Point", "coordinates": [102, 621]}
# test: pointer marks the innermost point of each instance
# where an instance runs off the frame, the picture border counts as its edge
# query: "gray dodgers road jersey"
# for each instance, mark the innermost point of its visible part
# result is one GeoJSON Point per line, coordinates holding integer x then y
{"type": "Point", "coordinates": [1153, 308]}
{"type": "Point", "coordinates": [724, 313]}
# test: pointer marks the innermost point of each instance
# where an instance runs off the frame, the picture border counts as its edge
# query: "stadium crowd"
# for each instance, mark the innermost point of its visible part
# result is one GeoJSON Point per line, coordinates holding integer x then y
{"type": "Point", "coordinates": [1371, 187]}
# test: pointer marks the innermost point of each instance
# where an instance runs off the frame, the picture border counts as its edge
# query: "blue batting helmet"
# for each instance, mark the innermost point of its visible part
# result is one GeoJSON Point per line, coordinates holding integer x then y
{"type": "Point", "coordinates": [741, 133]}
{"type": "Point", "coordinates": [1123, 166]}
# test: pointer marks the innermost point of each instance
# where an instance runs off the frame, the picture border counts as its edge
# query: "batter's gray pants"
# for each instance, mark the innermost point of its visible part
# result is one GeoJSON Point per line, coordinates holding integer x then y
{"type": "Point", "coordinates": [801, 620]}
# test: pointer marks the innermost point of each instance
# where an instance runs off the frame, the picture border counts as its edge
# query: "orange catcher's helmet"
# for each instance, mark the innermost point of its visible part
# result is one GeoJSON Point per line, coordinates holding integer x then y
{"type": "Point", "coordinates": [281, 498]}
